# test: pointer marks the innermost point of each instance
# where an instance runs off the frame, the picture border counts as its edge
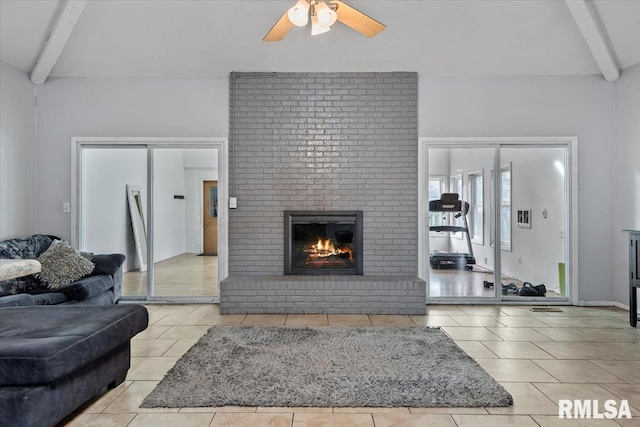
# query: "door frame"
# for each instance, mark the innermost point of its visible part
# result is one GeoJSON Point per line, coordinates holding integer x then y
{"type": "Point", "coordinates": [151, 143]}
{"type": "Point", "coordinates": [571, 196]}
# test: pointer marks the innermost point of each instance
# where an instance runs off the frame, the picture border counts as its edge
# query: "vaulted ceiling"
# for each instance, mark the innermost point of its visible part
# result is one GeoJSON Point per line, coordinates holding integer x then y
{"type": "Point", "coordinates": [210, 38]}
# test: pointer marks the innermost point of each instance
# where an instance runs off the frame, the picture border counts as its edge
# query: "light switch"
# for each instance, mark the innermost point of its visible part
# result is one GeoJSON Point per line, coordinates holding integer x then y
{"type": "Point", "coordinates": [233, 203]}
{"type": "Point", "coordinates": [66, 207]}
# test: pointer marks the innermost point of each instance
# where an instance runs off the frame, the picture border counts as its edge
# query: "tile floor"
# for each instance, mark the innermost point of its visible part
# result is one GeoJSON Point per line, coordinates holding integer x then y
{"type": "Point", "coordinates": [579, 353]}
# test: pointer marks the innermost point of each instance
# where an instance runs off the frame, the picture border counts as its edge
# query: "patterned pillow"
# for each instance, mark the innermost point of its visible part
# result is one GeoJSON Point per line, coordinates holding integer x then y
{"type": "Point", "coordinates": [62, 264]}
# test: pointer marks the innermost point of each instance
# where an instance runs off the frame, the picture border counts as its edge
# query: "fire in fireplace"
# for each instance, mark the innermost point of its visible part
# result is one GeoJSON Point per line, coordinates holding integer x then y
{"type": "Point", "coordinates": [323, 242]}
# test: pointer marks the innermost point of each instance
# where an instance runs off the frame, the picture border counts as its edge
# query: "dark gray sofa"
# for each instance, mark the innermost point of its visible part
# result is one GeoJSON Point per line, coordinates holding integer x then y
{"type": "Point", "coordinates": [53, 359]}
{"type": "Point", "coordinates": [102, 287]}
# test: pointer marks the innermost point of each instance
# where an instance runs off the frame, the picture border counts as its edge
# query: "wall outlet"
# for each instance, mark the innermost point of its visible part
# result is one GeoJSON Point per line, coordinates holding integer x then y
{"type": "Point", "coordinates": [233, 203]}
{"type": "Point", "coordinates": [66, 207]}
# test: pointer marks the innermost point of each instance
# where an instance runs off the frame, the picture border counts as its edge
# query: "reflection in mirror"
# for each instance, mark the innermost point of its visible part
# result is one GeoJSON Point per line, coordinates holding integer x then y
{"type": "Point", "coordinates": [137, 222]}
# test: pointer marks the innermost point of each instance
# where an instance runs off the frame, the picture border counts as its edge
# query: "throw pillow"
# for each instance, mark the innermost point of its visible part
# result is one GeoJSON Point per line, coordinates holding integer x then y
{"type": "Point", "coordinates": [62, 264]}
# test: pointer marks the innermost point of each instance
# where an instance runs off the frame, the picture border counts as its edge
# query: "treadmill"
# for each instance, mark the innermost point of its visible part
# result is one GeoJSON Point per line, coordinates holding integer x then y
{"type": "Point", "coordinates": [449, 202]}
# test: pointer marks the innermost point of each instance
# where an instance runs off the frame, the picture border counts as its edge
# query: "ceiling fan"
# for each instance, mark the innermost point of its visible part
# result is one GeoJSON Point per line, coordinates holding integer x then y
{"type": "Point", "coordinates": [322, 15]}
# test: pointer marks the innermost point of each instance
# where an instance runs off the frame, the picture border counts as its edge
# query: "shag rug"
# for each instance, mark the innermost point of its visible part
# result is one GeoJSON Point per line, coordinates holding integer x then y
{"type": "Point", "coordinates": [327, 367]}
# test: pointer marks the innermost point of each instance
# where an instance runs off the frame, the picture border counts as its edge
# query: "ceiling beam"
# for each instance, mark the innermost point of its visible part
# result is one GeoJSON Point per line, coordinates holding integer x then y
{"type": "Point", "coordinates": [588, 20]}
{"type": "Point", "coordinates": [62, 28]}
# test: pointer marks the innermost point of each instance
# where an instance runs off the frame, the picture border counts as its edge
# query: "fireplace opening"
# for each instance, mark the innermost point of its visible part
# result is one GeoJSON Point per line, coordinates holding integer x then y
{"type": "Point", "coordinates": [323, 242]}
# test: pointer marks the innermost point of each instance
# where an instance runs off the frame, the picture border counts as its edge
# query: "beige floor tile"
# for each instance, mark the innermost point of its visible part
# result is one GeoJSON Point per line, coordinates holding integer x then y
{"type": "Point", "coordinates": [150, 368]}
{"type": "Point", "coordinates": [143, 348]}
{"type": "Point", "coordinates": [182, 309]}
{"type": "Point", "coordinates": [181, 320]}
{"type": "Point", "coordinates": [460, 333]}
{"type": "Point", "coordinates": [514, 370]}
{"type": "Point", "coordinates": [239, 419]}
{"type": "Point", "coordinates": [349, 320]}
{"type": "Point", "coordinates": [101, 420]}
{"type": "Point", "coordinates": [151, 333]}
{"type": "Point", "coordinates": [222, 320]}
{"type": "Point", "coordinates": [476, 349]}
{"type": "Point", "coordinates": [480, 310]}
{"type": "Point", "coordinates": [106, 399]}
{"type": "Point", "coordinates": [564, 322]}
{"type": "Point", "coordinates": [611, 335]}
{"type": "Point", "coordinates": [516, 350]}
{"type": "Point", "coordinates": [264, 320]}
{"type": "Point", "coordinates": [606, 322]}
{"type": "Point", "coordinates": [221, 409]}
{"type": "Point", "coordinates": [434, 320]}
{"type": "Point", "coordinates": [155, 317]}
{"type": "Point", "coordinates": [448, 411]}
{"type": "Point", "coordinates": [617, 351]}
{"type": "Point", "coordinates": [207, 309]}
{"type": "Point", "coordinates": [443, 310]}
{"type": "Point", "coordinates": [476, 321]}
{"type": "Point", "coordinates": [519, 334]}
{"type": "Point", "coordinates": [554, 421]}
{"type": "Point", "coordinates": [306, 320]}
{"type": "Point", "coordinates": [413, 420]}
{"type": "Point", "coordinates": [521, 310]}
{"type": "Point", "coordinates": [629, 392]}
{"type": "Point", "coordinates": [570, 350]}
{"type": "Point", "coordinates": [295, 409]}
{"type": "Point", "coordinates": [633, 422]}
{"type": "Point", "coordinates": [629, 371]}
{"type": "Point", "coordinates": [526, 400]}
{"type": "Point", "coordinates": [371, 411]}
{"type": "Point", "coordinates": [183, 332]}
{"type": "Point", "coordinates": [130, 399]}
{"type": "Point", "coordinates": [494, 421]}
{"type": "Point", "coordinates": [332, 420]}
{"type": "Point", "coordinates": [391, 320]}
{"type": "Point", "coordinates": [519, 321]}
{"type": "Point", "coordinates": [180, 348]}
{"type": "Point", "coordinates": [565, 334]}
{"type": "Point", "coordinates": [577, 371]}
{"type": "Point", "coordinates": [172, 420]}
{"type": "Point", "coordinates": [573, 391]}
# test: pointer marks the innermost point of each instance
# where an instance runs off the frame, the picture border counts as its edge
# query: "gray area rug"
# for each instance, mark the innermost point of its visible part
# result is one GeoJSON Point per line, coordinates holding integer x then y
{"type": "Point", "coordinates": [327, 367]}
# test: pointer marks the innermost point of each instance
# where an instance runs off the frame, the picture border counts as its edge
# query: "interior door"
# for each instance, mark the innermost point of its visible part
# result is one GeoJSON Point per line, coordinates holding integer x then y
{"type": "Point", "coordinates": [210, 217]}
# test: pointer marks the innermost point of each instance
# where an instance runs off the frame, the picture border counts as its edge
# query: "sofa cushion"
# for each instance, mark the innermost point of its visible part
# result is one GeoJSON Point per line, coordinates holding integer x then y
{"type": "Point", "coordinates": [26, 300]}
{"type": "Point", "coordinates": [62, 264]}
{"type": "Point", "coordinates": [44, 343]}
{"type": "Point", "coordinates": [18, 300]}
{"type": "Point", "coordinates": [87, 287]}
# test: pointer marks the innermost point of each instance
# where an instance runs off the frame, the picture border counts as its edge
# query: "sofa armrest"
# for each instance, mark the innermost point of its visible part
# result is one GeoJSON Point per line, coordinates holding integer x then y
{"type": "Point", "coordinates": [107, 263]}
{"type": "Point", "coordinates": [110, 264]}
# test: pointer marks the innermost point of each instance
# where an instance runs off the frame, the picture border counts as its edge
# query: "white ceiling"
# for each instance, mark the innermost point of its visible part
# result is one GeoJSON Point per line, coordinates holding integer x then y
{"type": "Point", "coordinates": [210, 38]}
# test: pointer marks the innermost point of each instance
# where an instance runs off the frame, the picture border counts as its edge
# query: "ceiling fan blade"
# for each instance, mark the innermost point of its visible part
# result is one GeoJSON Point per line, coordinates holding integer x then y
{"type": "Point", "coordinates": [357, 20]}
{"type": "Point", "coordinates": [279, 30]}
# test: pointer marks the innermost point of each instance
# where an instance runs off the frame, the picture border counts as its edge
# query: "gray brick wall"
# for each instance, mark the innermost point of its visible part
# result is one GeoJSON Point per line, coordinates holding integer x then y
{"type": "Point", "coordinates": [324, 141]}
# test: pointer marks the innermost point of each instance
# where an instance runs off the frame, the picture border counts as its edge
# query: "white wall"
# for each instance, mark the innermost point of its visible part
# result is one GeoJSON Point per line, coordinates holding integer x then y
{"type": "Point", "coordinates": [581, 106]}
{"type": "Point", "coordinates": [626, 186]}
{"type": "Point", "coordinates": [169, 213]}
{"type": "Point", "coordinates": [69, 107]}
{"type": "Point", "coordinates": [17, 154]}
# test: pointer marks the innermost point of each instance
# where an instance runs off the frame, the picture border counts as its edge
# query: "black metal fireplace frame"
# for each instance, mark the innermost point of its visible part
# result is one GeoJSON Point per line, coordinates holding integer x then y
{"type": "Point", "coordinates": [311, 217]}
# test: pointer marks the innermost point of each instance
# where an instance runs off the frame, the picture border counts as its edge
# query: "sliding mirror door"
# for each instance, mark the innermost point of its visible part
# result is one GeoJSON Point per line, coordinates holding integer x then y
{"type": "Point", "coordinates": [461, 257]}
{"type": "Point", "coordinates": [113, 204]}
{"type": "Point", "coordinates": [185, 222]}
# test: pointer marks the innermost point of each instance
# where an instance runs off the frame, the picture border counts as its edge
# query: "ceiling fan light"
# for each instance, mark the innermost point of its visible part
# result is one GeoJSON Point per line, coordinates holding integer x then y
{"type": "Point", "coordinates": [324, 14]}
{"type": "Point", "coordinates": [299, 13]}
{"type": "Point", "coordinates": [334, 17]}
{"type": "Point", "coordinates": [316, 28]}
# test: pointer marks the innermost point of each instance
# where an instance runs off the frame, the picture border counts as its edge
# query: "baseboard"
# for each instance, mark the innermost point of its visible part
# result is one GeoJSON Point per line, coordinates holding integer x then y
{"type": "Point", "coordinates": [624, 306]}
{"type": "Point", "coordinates": [589, 303]}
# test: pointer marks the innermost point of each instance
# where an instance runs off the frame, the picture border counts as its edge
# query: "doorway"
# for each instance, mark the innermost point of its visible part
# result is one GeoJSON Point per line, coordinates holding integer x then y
{"type": "Point", "coordinates": [168, 176]}
{"type": "Point", "coordinates": [210, 218]}
{"type": "Point", "coordinates": [513, 224]}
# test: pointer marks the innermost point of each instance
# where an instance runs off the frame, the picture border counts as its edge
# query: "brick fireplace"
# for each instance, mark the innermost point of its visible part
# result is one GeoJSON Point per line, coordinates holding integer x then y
{"type": "Point", "coordinates": [323, 142]}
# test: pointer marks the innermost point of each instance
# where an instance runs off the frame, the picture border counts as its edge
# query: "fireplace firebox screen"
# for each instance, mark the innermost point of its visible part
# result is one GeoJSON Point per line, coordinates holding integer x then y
{"type": "Point", "coordinates": [323, 242]}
